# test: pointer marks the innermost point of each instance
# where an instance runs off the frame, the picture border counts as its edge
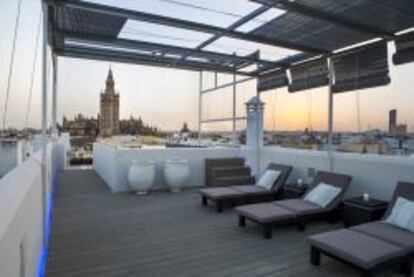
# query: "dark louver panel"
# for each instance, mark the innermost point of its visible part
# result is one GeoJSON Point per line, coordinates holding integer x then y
{"type": "Point", "coordinates": [309, 75]}
{"type": "Point", "coordinates": [383, 16]}
{"type": "Point", "coordinates": [405, 49]}
{"type": "Point", "coordinates": [272, 80]}
{"type": "Point", "coordinates": [363, 68]}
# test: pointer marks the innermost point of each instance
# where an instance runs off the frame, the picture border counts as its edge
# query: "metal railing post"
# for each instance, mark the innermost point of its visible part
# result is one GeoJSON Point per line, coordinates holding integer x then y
{"type": "Point", "coordinates": [330, 114]}
{"type": "Point", "coordinates": [200, 105]}
{"type": "Point", "coordinates": [234, 110]}
{"type": "Point", "coordinates": [54, 95]}
{"type": "Point", "coordinates": [44, 120]}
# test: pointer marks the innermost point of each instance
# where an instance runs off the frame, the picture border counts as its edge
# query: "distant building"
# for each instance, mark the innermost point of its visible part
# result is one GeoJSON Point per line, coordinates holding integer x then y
{"type": "Point", "coordinates": [373, 148]}
{"type": "Point", "coordinates": [131, 126]}
{"type": "Point", "coordinates": [185, 128]}
{"type": "Point", "coordinates": [401, 130]}
{"type": "Point", "coordinates": [81, 126]}
{"type": "Point", "coordinates": [134, 126]}
{"type": "Point", "coordinates": [392, 127]}
{"type": "Point", "coordinates": [395, 129]}
{"type": "Point", "coordinates": [109, 109]}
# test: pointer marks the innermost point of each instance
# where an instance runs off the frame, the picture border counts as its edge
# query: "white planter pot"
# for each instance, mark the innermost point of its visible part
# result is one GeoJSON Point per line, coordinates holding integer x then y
{"type": "Point", "coordinates": [176, 173]}
{"type": "Point", "coordinates": [141, 176]}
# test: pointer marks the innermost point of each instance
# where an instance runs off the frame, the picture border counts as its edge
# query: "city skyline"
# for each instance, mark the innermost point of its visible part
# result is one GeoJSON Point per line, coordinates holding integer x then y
{"type": "Point", "coordinates": [167, 97]}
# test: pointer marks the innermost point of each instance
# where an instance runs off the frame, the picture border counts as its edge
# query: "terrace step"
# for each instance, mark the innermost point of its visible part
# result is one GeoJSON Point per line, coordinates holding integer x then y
{"type": "Point", "coordinates": [214, 164]}
{"type": "Point", "coordinates": [225, 162]}
{"type": "Point", "coordinates": [231, 171]}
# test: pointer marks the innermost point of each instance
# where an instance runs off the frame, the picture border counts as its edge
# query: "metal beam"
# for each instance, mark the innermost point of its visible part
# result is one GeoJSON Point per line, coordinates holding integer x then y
{"type": "Point", "coordinates": [294, 6]}
{"type": "Point", "coordinates": [299, 58]}
{"type": "Point", "coordinates": [184, 24]}
{"type": "Point", "coordinates": [134, 58]}
{"type": "Point", "coordinates": [150, 46]}
{"type": "Point", "coordinates": [229, 119]}
{"type": "Point", "coordinates": [288, 60]}
{"type": "Point", "coordinates": [232, 27]}
{"type": "Point", "coordinates": [235, 25]}
{"type": "Point", "coordinates": [228, 84]}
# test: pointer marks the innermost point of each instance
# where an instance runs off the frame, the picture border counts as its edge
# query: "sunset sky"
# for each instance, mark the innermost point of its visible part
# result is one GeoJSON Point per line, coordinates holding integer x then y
{"type": "Point", "coordinates": [167, 97]}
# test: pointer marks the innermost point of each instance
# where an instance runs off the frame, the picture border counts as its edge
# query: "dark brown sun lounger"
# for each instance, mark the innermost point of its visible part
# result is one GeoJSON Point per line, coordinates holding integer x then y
{"type": "Point", "coordinates": [246, 193]}
{"type": "Point", "coordinates": [370, 247]}
{"type": "Point", "coordinates": [294, 211]}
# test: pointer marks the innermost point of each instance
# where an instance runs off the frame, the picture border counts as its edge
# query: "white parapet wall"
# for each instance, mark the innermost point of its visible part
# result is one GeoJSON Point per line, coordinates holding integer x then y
{"type": "Point", "coordinates": [21, 221]}
{"type": "Point", "coordinates": [373, 174]}
{"type": "Point", "coordinates": [112, 163]}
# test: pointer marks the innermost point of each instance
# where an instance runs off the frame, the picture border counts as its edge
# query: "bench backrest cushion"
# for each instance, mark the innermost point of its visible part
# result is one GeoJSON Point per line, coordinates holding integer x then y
{"type": "Point", "coordinates": [322, 195]}
{"type": "Point", "coordinates": [402, 214]}
{"type": "Point", "coordinates": [268, 179]}
{"type": "Point", "coordinates": [284, 170]}
{"type": "Point", "coordinates": [338, 180]}
{"type": "Point", "coordinates": [403, 189]}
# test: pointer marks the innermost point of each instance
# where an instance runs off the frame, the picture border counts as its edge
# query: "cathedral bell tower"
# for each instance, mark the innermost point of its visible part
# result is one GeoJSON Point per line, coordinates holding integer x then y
{"type": "Point", "coordinates": [109, 109]}
{"type": "Point", "coordinates": [110, 84]}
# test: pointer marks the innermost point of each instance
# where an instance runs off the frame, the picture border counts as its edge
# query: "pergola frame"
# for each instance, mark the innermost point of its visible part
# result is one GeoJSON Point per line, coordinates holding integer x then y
{"type": "Point", "coordinates": [189, 25]}
{"type": "Point", "coordinates": [98, 47]}
{"type": "Point", "coordinates": [102, 47]}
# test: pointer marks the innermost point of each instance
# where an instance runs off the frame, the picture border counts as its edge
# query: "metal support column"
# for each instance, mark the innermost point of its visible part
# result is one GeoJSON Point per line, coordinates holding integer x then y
{"type": "Point", "coordinates": [234, 135]}
{"type": "Point", "coordinates": [200, 105]}
{"type": "Point", "coordinates": [330, 114]}
{"type": "Point", "coordinates": [54, 95]}
{"type": "Point", "coordinates": [44, 120]}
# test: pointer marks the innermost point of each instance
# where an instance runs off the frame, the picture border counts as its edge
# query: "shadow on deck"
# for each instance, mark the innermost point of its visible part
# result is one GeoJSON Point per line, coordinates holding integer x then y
{"type": "Point", "coordinates": [96, 233]}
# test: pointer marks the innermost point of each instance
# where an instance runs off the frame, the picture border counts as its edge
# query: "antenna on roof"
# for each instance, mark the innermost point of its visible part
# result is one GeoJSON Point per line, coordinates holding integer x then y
{"type": "Point", "coordinates": [358, 106]}
{"type": "Point", "coordinates": [274, 96]}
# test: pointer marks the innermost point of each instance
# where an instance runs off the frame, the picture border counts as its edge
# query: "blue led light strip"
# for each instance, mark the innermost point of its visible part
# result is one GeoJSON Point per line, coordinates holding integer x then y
{"type": "Point", "coordinates": [45, 248]}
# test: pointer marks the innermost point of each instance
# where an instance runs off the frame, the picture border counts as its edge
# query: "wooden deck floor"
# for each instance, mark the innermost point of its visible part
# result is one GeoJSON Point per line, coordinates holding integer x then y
{"type": "Point", "coordinates": [96, 233]}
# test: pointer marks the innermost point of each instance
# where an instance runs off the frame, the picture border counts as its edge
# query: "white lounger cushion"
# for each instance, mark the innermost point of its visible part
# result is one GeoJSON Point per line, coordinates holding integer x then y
{"type": "Point", "coordinates": [402, 214]}
{"type": "Point", "coordinates": [322, 195]}
{"type": "Point", "coordinates": [268, 178]}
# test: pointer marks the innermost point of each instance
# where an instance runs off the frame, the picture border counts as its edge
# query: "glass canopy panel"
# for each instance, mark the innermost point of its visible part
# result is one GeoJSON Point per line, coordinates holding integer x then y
{"type": "Point", "coordinates": [260, 20]}
{"type": "Point", "coordinates": [150, 32]}
{"type": "Point", "coordinates": [213, 12]}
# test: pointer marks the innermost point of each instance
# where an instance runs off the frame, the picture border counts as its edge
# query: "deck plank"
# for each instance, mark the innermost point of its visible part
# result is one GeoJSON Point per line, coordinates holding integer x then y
{"type": "Point", "coordinates": [97, 233]}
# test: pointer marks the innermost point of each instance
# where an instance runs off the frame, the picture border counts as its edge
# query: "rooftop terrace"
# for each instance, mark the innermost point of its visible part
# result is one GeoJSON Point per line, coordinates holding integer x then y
{"type": "Point", "coordinates": [97, 233]}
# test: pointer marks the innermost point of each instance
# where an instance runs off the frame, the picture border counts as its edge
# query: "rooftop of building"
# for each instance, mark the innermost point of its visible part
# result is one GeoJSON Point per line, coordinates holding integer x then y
{"type": "Point", "coordinates": [97, 233]}
{"type": "Point", "coordinates": [100, 232]}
